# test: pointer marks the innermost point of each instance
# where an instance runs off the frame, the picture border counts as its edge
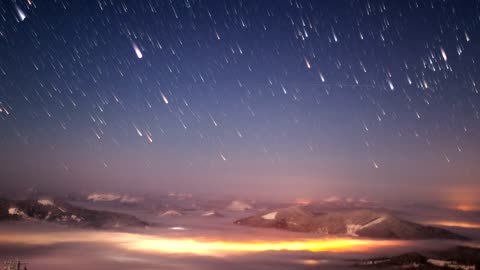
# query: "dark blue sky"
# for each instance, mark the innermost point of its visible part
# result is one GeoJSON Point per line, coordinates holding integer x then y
{"type": "Point", "coordinates": [295, 98]}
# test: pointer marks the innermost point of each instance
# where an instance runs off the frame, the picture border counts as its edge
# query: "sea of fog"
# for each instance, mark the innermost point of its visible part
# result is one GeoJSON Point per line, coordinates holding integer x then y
{"type": "Point", "coordinates": [196, 242]}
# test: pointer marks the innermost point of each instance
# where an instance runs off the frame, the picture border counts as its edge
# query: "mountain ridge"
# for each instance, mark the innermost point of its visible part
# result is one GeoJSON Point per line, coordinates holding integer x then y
{"type": "Point", "coordinates": [60, 212]}
{"type": "Point", "coordinates": [355, 223]}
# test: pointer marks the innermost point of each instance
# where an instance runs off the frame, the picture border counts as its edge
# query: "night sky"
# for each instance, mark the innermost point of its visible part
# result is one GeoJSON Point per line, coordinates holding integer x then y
{"type": "Point", "coordinates": [273, 98]}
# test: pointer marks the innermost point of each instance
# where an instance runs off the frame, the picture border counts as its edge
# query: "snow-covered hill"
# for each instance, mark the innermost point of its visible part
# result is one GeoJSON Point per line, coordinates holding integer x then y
{"type": "Point", "coordinates": [56, 211]}
{"type": "Point", "coordinates": [354, 223]}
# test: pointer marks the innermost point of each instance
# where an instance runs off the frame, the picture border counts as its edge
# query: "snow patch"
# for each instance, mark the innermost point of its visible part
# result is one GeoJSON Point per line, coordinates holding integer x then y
{"type": "Point", "coordinates": [212, 213]}
{"type": "Point", "coordinates": [13, 211]}
{"type": "Point", "coordinates": [352, 229]}
{"type": "Point", "coordinates": [129, 199]}
{"type": "Point", "coordinates": [270, 216]}
{"type": "Point", "coordinates": [374, 262]}
{"type": "Point", "coordinates": [110, 197]}
{"type": "Point", "coordinates": [450, 264]}
{"type": "Point", "coordinates": [45, 202]}
{"type": "Point", "coordinates": [239, 206]}
{"type": "Point", "coordinates": [103, 197]}
{"type": "Point", "coordinates": [171, 213]}
{"type": "Point", "coordinates": [208, 214]}
{"type": "Point", "coordinates": [75, 218]}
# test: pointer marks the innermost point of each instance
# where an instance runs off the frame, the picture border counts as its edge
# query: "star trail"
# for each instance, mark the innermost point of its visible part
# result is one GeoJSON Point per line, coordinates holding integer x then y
{"type": "Point", "coordinates": [279, 98]}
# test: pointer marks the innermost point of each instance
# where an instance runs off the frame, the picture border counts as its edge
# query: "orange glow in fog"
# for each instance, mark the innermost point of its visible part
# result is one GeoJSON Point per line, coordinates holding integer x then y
{"type": "Point", "coordinates": [221, 248]}
{"type": "Point", "coordinates": [154, 244]}
{"type": "Point", "coordinates": [447, 223]}
{"type": "Point", "coordinates": [465, 207]}
{"type": "Point", "coordinates": [302, 201]}
{"type": "Point", "coordinates": [463, 198]}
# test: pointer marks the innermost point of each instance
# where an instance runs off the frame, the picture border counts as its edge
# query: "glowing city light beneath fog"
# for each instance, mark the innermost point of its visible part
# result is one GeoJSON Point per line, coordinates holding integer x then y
{"type": "Point", "coordinates": [466, 207]}
{"type": "Point", "coordinates": [221, 248]}
{"type": "Point", "coordinates": [460, 224]}
{"type": "Point", "coordinates": [205, 247]}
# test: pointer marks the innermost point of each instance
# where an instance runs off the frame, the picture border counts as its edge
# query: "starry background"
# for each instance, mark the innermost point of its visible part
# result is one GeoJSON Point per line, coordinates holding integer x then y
{"type": "Point", "coordinates": [279, 98]}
